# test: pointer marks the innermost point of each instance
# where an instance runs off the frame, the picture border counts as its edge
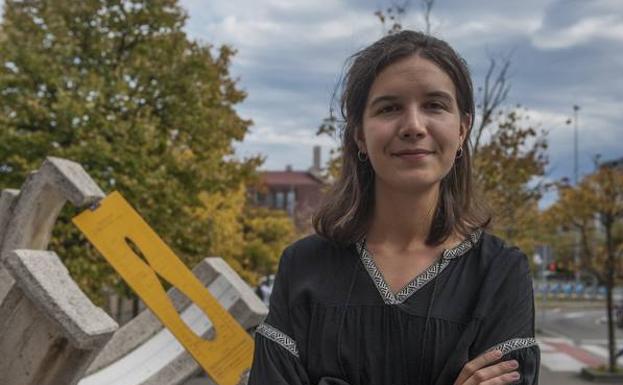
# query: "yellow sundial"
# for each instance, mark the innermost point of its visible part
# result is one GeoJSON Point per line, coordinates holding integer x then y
{"type": "Point", "coordinates": [120, 234]}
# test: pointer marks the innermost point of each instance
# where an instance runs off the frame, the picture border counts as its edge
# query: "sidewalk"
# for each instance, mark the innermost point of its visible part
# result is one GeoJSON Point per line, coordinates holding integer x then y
{"type": "Point", "coordinates": [561, 378]}
{"type": "Point", "coordinates": [570, 304]}
{"type": "Point", "coordinates": [562, 360]}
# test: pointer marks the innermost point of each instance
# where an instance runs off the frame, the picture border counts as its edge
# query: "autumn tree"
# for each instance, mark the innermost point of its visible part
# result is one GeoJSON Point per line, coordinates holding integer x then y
{"type": "Point", "coordinates": [595, 208]}
{"type": "Point", "coordinates": [249, 238]}
{"type": "Point", "coordinates": [605, 189]}
{"type": "Point", "coordinates": [506, 168]}
{"type": "Point", "coordinates": [266, 234]}
{"type": "Point", "coordinates": [571, 214]}
{"type": "Point", "coordinates": [118, 86]}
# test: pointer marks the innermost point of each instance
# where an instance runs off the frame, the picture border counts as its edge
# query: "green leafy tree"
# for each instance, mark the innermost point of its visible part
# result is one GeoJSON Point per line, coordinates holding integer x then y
{"type": "Point", "coordinates": [117, 86]}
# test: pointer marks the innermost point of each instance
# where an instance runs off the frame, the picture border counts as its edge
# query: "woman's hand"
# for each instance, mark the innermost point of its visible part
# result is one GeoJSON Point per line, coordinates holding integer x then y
{"type": "Point", "coordinates": [480, 371]}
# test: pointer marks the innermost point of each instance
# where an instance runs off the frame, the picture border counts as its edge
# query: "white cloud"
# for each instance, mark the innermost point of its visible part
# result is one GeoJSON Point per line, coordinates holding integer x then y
{"type": "Point", "coordinates": [266, 135]}
{"type": "Point", "coordinates": [581, 32]}
{"type": "Point", "coordinates": [290, 57]}
{"type": "Point", "coordinates": [488, 29]}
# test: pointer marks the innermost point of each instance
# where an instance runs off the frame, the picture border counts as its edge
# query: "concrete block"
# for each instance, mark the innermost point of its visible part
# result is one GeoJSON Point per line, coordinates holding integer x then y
{"type": "Point", "coordinates": [40, 200]}
{"type": "Point", "coordinates": [27, 216]}
{"type": "Point", "coordinates": [144, 353]}
{"type": "Point", "coordinates": [7, 200]}
{"type": "Point", "coordinates": [10, 295]}
{"type": "Point", "coordinates": [50, 333]}
{"type": "Point", "coordinates": [55, 331]}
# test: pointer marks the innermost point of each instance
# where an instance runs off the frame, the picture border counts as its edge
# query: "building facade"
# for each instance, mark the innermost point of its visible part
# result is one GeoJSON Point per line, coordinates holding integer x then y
{"type": "Point", "coordinates": [297, 192]}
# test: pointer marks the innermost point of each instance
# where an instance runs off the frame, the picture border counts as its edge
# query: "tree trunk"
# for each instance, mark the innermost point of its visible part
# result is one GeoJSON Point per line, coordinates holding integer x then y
{"type": "Point", "coordinates": [610, 285]}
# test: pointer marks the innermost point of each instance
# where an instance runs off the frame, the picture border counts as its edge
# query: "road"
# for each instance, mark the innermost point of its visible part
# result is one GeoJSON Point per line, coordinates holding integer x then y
{"type": "Point", "coordinates": [572, 336]}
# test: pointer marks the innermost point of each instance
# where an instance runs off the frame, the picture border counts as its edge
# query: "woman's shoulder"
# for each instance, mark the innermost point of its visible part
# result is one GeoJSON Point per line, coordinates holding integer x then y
{"type": "Point", "coordinates": [503, 274]}
{"type": "Point", "coordinates": [496, 253]}
{"type": "Point", "coordinates": [315, 268]}
{"type": "Point", "coordinates": [314, 251]}
{"type": "Point", "coordinates": [311, 243]}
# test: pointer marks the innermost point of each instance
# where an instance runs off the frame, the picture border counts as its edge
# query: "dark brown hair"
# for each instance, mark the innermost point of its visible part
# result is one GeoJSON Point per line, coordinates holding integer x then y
{"type": "Point", "coordinates": [346, 211]}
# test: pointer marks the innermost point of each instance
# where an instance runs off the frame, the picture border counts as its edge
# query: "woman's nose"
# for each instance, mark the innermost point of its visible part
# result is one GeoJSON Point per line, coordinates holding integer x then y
{"type": "Point", "coordinates": [412, 125]}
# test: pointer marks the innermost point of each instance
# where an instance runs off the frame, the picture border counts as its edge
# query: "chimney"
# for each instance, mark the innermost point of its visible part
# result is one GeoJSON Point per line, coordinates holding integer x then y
{"type": "Point", "coordinates": [288, 167]}
{"type": "Point", "coordinates": [316, 166]}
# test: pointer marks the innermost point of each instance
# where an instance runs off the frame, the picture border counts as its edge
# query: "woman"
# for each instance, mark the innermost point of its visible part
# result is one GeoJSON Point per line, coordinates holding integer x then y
{"type": "Point", "coordinates": [401, 285]}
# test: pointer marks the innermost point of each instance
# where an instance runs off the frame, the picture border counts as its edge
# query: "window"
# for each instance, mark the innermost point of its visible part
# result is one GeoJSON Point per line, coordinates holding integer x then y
{"type": "Point", "coordinates": [279, 200]}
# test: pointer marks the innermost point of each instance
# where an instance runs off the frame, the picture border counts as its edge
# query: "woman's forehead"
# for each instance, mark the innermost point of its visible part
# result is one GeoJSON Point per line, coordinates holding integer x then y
{"type": "Point", "coordinates": [413, 74]}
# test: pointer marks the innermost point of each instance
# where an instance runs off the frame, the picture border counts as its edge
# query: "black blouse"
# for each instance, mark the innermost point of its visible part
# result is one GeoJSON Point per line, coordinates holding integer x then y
{"type": "Point", "coordinates": [334, 320]}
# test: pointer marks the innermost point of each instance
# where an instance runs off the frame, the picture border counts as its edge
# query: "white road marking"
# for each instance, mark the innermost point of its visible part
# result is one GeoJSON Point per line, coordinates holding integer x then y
{"type": "Point", "coordinates": [560, 362]}
{"type": "Point", "coordinates": [578, 314]}
{"type": "Point", "coordinates": [545, 340]}
{"type": "Point", "coordinates": [601, 341]}
{"type": "Point", "coordinates": [600, 351]}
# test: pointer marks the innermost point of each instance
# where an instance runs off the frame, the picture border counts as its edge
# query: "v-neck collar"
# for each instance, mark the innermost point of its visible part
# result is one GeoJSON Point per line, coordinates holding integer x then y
{"type": "Point", "coordinates": [421, 279]}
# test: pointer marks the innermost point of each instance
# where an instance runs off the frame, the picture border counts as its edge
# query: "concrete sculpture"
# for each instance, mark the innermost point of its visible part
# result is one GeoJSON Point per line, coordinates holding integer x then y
{"type": "Point", "coordinates": [50, 332]}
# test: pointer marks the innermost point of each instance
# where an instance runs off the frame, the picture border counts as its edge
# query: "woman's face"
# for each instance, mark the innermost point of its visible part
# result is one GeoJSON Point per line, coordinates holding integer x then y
{"type": "Point", "coordinates": [412, 126]}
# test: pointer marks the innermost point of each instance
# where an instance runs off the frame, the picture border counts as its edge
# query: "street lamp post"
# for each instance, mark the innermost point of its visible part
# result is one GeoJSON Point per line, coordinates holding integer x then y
{"type": "Point", "coordinates": [576, 246]}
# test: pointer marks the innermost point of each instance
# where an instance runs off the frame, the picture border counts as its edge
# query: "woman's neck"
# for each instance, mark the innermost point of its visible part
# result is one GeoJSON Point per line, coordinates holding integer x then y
{"type": "Point", "coordinates": [402, 218]}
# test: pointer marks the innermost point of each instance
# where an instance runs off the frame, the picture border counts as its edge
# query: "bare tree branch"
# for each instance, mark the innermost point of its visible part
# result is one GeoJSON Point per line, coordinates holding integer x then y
{"type": "Point", "coordinates": [393, 14]}
{"type": "Point", "coordinates": [428, 7]}
{"type": "Point", "coordinates": [494, 93]}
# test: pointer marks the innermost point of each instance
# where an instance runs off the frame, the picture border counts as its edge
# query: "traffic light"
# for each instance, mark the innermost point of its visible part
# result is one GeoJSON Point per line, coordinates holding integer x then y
{"type": "Point", "coordinates": [552, 266]}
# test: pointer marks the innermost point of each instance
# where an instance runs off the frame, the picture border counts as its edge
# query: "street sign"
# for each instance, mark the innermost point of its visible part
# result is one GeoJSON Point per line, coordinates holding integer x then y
{"type": "Point", "coordinates": [138, 254]}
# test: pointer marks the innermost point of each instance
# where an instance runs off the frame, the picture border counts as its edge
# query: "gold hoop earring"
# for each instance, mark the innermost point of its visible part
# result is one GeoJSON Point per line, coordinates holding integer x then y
{"type": "Point", "coordinates": [459, 153]}
{"type": "Point", "coordinates": [362, 156]}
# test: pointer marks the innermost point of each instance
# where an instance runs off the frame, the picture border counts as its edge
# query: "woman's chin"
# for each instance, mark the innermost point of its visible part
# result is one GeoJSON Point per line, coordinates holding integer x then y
{"type": "Point", "coordinates": [417, 186]}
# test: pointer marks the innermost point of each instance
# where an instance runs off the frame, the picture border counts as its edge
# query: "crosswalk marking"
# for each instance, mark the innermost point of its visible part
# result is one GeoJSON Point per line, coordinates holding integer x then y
{"type": "Point", "coordinates": [600, 351]}
{"type": "Point", "coordinates": [560, 362]}
{"type": "Point", "coordinates": [562, 355]}
{"type": "Point", "coordinates": [579, 314]}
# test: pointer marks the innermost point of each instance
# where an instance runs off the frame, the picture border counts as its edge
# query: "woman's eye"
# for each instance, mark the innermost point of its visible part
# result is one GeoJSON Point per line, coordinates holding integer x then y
{"type": "Point", "coordinates": [388, 109]}
{"type": "Point", "coordinates": [436, 106]}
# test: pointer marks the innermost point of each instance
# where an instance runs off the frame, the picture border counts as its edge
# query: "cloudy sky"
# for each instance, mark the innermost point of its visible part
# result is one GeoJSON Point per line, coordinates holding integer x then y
{"type": "Point", "coordinates": [291, 54]}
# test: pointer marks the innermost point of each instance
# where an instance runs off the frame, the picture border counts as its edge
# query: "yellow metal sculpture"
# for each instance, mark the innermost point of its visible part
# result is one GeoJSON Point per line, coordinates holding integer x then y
{"type": "Point", "coordinates": [119, 233]}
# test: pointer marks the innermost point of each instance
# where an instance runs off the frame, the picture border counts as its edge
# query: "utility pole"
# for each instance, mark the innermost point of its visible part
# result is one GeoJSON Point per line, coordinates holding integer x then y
{"type": "Point", "coordinates": [576, 108]}
{"type": "Point", "coordinates": [576, 247]}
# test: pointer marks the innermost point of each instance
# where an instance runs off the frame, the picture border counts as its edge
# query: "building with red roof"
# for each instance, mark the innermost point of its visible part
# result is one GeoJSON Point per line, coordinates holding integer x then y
{"type": "Point", "coordinates": [297, 192]}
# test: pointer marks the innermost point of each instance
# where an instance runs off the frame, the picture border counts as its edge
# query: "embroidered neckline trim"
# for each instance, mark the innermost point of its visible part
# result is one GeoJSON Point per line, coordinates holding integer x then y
{"type": "Point", "coordinates": [421, 279]}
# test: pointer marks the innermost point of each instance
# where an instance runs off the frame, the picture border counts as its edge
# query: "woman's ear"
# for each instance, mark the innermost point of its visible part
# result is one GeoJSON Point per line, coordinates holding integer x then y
{"type": "Point", "coordinates": [466, 123]}
{"type": "Point", "coordinates": [361, 146]}
{"type": "Point", "coordinates": [360, 140]}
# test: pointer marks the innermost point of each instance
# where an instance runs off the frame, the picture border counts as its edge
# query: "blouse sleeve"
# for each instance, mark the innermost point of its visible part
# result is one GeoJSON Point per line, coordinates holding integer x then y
{"type": "Point", "coordinates": [276, 359]}
{"type": "Point", "coordinates": [506, 315]}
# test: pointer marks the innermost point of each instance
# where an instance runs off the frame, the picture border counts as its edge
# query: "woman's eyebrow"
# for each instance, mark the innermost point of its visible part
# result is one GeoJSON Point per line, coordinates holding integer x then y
{"type": "Point", "coordinates": [440, 94]}
{"type": "Point", "coordinates": [383, 98]}
{"type": "Point", "coordinates": [432, 94]}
